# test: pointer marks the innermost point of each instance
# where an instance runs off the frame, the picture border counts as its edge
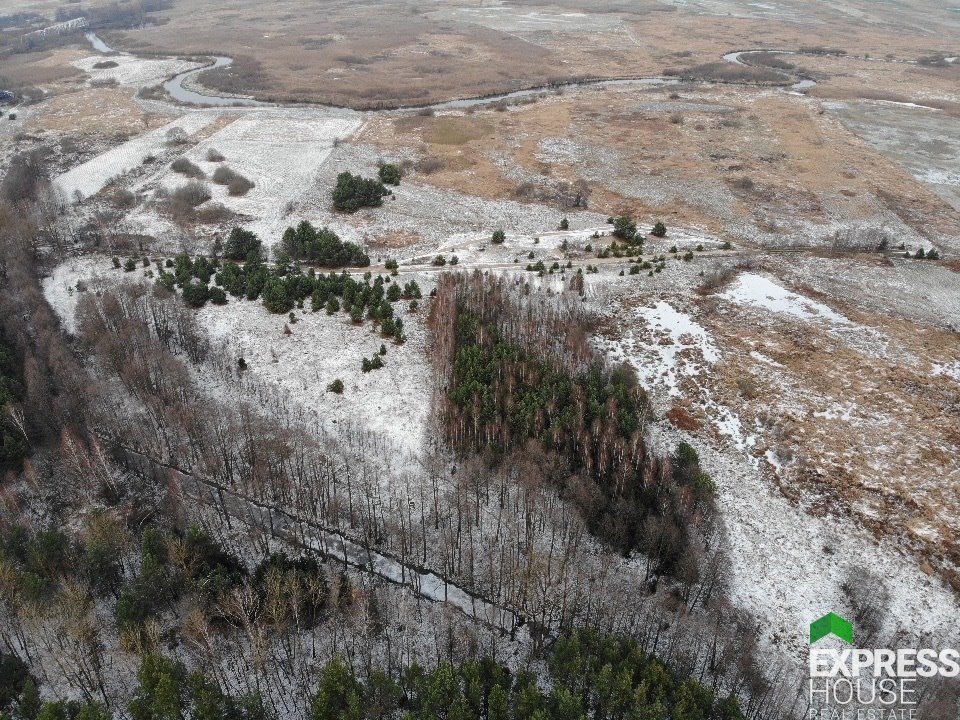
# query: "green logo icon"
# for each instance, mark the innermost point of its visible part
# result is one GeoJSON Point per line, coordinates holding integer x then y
{"type": "Point", "coordinates": [831, 624]}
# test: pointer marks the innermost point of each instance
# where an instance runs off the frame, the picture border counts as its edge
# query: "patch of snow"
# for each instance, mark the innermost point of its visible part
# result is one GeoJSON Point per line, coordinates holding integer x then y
{"type": "Point", "coordinates": [951, 370]}
{"type": "Point", "coordinates": [680, 348]}
{"type": "Point", "coordinates": [760, 291]}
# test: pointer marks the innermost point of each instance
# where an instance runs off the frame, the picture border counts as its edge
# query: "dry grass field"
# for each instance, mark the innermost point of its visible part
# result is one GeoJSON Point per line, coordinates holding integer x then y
{"type": "Point", "coordinates": [399, 52]}
{"type": "Point", "coordinates": [720, 158]}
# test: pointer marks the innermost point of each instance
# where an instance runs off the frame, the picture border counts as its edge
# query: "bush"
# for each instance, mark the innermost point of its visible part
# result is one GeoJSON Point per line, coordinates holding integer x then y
{"type": "Point", "coordinates": [389, 174]}
{"type": "Point", "coordinates": [624, 228]}
{"type": "Point", "coordinates": [236, 183]}
{"type": "Point", "coordinates": [13, 675]}
{"type": "Point", "coordinates": [439, 261]}
{"type": "Point", "coordinates": [353, 192]}
{"type": "Point", "coordinates": [375, 363]}
{"type": "Point", "coordinates": [564, 224]}
{"type": "Point", "coordinates": [130, 265]}
{"type": "Point", "coordinates": [239, 187]}
{"type": "Point", "coordinates": [214, 155]}
{"type": "Point", "coordinates": [240, 244]}
{"type": "Point", "coordinates": [499, 236]}
{"type": "Point", "coordinates": [185, 167]}
{"type": "Point", "coordinates": [431, 164]}
{"type": "Point", "coordinates": [192, 194]}
{"type": "Point", "coordinates": [659, 230]}
{"type": "Point", "coordinates": [336, 387]}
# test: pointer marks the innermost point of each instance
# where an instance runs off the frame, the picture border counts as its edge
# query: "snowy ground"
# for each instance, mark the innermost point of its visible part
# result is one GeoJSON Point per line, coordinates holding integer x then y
{"type": "Point", "coordinates": [90, 177]}
{"type": "Point", "coordinates": [787, 565]}
{"type": "Point", "coordinates": [133, 71]}
{"type": "Point", "coordinates": [392, 402]}
{"type": "Point", "coordinates": [280, 150]}
{"type": "Point", "coordinates": [71, 279]}
{"type": "Point", "coordinates": [761, 291]}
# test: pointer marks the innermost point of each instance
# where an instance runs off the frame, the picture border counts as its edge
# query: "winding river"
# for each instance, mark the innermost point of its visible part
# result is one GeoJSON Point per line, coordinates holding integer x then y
{"type": "Point", "coordinates": [177, 90]}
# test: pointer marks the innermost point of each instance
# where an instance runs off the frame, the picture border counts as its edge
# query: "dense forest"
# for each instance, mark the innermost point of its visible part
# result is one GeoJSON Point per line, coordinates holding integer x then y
{"type": "Point", "coordinates": [517, 375]}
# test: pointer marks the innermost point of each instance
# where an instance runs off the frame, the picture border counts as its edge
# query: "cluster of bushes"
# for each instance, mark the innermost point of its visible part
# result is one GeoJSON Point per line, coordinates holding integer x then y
{"type": "Point", "coordinates": [921, 254]}
{"type": "Point", "coordinates": [185, 167]}
{"type": "Point", "coordinates": [591, 676]}
{"type": "Point", "coordinates": [39, 561]}
{"type": "Point", "coordinates": [202, 569]}
{"type": "Point", "coordinates": [625, 229]}
{"type": "Point", "coordinates": [322, 247]}
{"type": "Point", "coordinates": [374, 363]}
{"type": "Point", "coordinates": [13, 442]}
{"type": "Point", "coordinates": [281, 289]}
{"type": "Point", "coordinates": [353, 192]}
{"type": "Point", "coordinates": [192, 277]}
{"type": "Point", "coordinates": [236, 183]}
{"type": "Point", "coordinates": [240, 244]}
{"type": "Point", "coordinates": [175, 565]}
{"type": "Point", "coordinates": [18, 688]}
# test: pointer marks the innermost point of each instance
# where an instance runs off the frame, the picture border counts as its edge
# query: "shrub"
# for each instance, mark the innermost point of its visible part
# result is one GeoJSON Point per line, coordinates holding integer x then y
{"type": "Point", "coordinates": [185, 167]}
{"type": "Point", "coordinates": [439, 261]}
{"type": "Point", "coordinates": [13, 675]}
{"type": "Point", "coordinates": [389, 174]}
{"type": "Point", "coordinates": [336, 387]}
{"type": "Point", "coordinates": [375, 363]}
{"type": "Point", "coordinates": [192, 194]}
{"type": "Point", "coordinates": [116, 262]}
{"type": "Point", "coordinates": [353, 192]}
{"type": "Point", "coordinates": [659, 230]}
{"type": "Point", "coordinates": [498, 238]}
{"type": "Point", "coordinates": [214, 155]}
{"type": "Point", "coordinates": [431, 164]}
{"type": "Point", "coordinates": [564, 224]}
{"type": "Point", "coordinates": [624, 228]}
{"type": "Point", "coordinates": [236, 183]}
{"type": "Point", "coordinates": [130, 265]}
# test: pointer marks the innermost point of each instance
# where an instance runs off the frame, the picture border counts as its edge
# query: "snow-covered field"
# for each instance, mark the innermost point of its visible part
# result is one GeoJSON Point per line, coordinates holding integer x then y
{"type": "Point", "coordinates": [133, 71]}
{"type": "Point", "coordinates": [90, 177]}
{"type": "Point", "coordinates": [392, 402]}
{"type": "Point", "coordinates": [680, 348]}
{"type": "Point", "coordinates": [281, 151]}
